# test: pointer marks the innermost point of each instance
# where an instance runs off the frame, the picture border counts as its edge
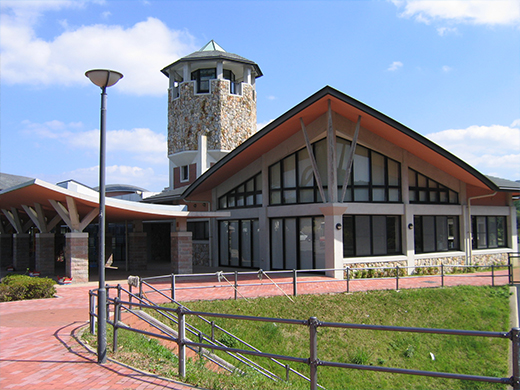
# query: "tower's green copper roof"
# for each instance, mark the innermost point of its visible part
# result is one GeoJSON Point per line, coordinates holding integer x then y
{"type": "Point", "coordinates": [213, 51]}
{"type": "Point", "coordinates": [212, 46]}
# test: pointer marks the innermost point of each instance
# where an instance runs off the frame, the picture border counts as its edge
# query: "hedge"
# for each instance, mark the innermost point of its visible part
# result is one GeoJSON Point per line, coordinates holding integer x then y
{"type": "Point", "coordinates": [15, 287]}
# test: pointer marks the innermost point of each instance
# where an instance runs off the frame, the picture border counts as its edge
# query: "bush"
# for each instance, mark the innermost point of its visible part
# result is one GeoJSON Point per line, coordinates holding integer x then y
{"type": "Point", "coordinates": [17, 287]}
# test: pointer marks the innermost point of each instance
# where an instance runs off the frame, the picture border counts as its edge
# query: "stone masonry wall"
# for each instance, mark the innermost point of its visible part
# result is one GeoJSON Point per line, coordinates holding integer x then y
{"type": "Point", "coordinates": [201, 254]}
{"type": "Point", "coordinates": [227, 120]}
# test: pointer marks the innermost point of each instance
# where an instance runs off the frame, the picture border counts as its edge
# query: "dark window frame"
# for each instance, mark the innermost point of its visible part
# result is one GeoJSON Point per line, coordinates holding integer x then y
{"type": "Point", "coordinates": [501, 236]}
{"type": "Point", "coordinates": [238, 197]}
{"type": "Point", "coordinates": [254, 263]}
{"type": "Point", "coordinates": [278, 196]}
{"type": "Point", "coordinates": [349, 228]}
{"type": "Point", "coordinates": [433, 192]}
{"type": "Point", "coordinates": [453, 242]}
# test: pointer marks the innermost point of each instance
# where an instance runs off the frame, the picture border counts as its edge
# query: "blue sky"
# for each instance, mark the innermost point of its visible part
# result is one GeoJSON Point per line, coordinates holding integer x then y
{"type": "Point", "coordinates": [449, 70]}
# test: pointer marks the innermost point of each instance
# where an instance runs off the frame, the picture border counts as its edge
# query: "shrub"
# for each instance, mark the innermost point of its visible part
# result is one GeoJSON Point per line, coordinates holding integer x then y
{"type": "Point", "coordinates": [17, 287]}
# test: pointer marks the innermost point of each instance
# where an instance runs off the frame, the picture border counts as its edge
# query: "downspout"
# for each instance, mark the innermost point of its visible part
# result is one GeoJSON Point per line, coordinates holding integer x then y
{"type": "Point", "coordinates": [469, 235]}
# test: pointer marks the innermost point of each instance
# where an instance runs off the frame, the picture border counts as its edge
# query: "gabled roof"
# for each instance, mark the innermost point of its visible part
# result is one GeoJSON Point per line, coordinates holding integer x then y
{"type": "Point", "coordinates": [212, 51]}
{"type": "Point", "coordinates": [316, 105]}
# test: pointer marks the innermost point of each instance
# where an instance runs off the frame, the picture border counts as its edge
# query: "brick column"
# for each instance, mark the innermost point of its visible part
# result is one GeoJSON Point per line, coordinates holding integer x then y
{"type": "Point", "coordinates": [181, 253]}
{"type": "Point", "coordinates": [44, 254]}
{"type": "Point", "coordinates": [76, 256]}
{"type": "Point", "coordinates": [21, 252]}
{"type": "Point", "coordinates": [6, 250]}
{"type": "Point", "coordinates": [137, 251]}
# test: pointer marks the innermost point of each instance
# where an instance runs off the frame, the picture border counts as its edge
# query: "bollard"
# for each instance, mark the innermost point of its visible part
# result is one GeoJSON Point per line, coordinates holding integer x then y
{"type": "Point", "coordinates": [295, 288]}
{"type": "Point", "coordinates": [173, 287]}
{"type": "Point", "coordinates": [515, 359]}
{"type": "Point", "coordinates": [180, 341]}
{"type": "Point", "coordinates": [313, 355]}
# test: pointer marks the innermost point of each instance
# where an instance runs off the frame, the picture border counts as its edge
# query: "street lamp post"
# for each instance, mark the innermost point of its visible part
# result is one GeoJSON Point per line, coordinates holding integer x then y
{"type": "Point", "coordinates": [103, 78]}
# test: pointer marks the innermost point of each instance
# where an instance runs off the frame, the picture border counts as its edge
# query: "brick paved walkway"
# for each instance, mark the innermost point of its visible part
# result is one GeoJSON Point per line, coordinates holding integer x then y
{"type": "Point", "coordinates": [38, 349]}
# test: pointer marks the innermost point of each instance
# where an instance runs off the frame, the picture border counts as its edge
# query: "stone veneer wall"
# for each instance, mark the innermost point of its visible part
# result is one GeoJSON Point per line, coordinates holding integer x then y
{"type": "Point", "coordinates": [201, 253]}
{"type": "Point", "coordinates": [227, 120]}
{"type": "Point", "coordinates": [449, 261]}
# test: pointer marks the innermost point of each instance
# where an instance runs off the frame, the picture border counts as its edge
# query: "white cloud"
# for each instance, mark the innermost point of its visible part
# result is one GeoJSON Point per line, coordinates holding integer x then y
{"type": "Point", "coordinates": [482, 12]}
{"type": "Point", "coordinates": [493, 150]}
{"type": "Point", "coordinates": [115, 174]}
{"type": "Point", "coordinates": [396, 65]}
{"type": "Point", "coordinates": [443, 31]}
{"type": "Point", "coordinates": [261, 125]}
{"type": "Point", "coordinates": [447, 68]}
{"type": "Point", "coordinates": [142, 144]}
{"type": "Point", "coordinates": [139, 51]}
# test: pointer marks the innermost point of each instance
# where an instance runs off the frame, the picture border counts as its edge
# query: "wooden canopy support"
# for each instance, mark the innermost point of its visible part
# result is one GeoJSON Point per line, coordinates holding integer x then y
{"type": "Point", "coordinates": [332, 170]}
{"type": "Point", "coordinates": [350, 160]}
{"type": "Point", "coordinates": [14, 219]}
{"type": "Point", "coordinates": [313, 162]}
{"type": "Point", "coordinates": [71, 216]}
{"type": "Point", "coordinates": [37, 215]}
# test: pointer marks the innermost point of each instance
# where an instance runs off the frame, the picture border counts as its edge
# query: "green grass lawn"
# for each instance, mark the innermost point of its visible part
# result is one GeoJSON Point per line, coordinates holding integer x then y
{"type": "Point", "coordinates": [464, 307]}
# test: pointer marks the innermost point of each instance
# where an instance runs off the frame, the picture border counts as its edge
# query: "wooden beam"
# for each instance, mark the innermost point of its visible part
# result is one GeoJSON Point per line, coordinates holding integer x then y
{"type": "Point", "coordinates": [313, 162]}
{"type": "Point", "coordinates": [73, 213]}
{"type": "Point", "coordinates": [350, 160]}
{"type": "Point", "coordinates": [62, 212]}
{"type": "Point", "coordinates": [14, 219]}
{"type": "Point", "coordinates": [33, 215]}
{"type": "Point", "coordinates": [332, 168]}
{"type": "Point", "coordinates": [88, 218]}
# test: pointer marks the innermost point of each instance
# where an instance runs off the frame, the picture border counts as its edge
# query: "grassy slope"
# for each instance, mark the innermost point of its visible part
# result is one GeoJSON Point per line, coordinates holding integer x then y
{"type": "Point", "coordinates": [472, 308]}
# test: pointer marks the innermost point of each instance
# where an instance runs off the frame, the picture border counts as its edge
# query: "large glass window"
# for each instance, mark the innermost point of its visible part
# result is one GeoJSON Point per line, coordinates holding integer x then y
{"type": "Point", "coordinates": [489, 232]}
{"type": "Point", "coordinates": [203, 78]}
{"type": "Point", "coordinates": [374, 177]}
{"type": "Point", "coordinates": [371, 235]}
{"type": "Point", "coordinates": [239, 243]}
{"type": "Point", "coordinates": [247, 194]}
{"type": "Point", "coordinates": [297, 243]}
{"type": "Point", "coordinates": [436, 233]}
{"type": "Point", "coordinates": [425, 190]}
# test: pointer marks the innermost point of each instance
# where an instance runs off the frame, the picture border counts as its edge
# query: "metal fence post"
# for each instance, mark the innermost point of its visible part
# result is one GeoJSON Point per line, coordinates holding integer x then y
{"type": "Point", "coordinates": [91, 308]}
{"type": "Point", "coordinates": [397, 277]}
{"type": "Point", "coordinates": [348, 279]}
{"type": "Point", "coordinates": [173, 287]}
{"type": "Point", "coordinates": [130, 296]}
{"type": "Point", "coordinates": [295, 288]}
{"type": "Point", "coordinates": [313, 355]}
{"type": "Point", "coordinates": [117, 317]}
{"type": "Point", "coordinates": [442, 275]}
{"type": "Point", "coordinates": [236, 285]}
{"type": "Point", "coordinates": [515, 339]}
{"type": "Point", "coordinates": [180, 341]}
{"type": "Point", "coordinates": [493, 275]}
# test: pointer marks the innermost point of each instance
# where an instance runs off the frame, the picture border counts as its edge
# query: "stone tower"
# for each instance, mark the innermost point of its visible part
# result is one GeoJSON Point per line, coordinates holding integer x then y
{"type": "Point", "coordinates": [211, 109]}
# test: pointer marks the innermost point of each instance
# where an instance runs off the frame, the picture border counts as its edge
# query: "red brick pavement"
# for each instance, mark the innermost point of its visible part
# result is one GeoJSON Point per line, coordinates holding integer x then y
{"type": "Point", "coordinates": [38, 348]}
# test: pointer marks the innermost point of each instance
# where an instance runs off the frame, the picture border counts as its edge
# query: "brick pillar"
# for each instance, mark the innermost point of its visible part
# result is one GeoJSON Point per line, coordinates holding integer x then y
{"type": "Point", "coordinates": [137, 251]}
{"type": "Point", "coordinates": [44, 254]}
{"type": "Point", "coordinates": [21, 252]}
{"type": "Point", "coordinates": [76, 256]}
{"type": "Point", "coordinates": [181, 253]}
{"type": "Point", "coordinates": [6, 250]}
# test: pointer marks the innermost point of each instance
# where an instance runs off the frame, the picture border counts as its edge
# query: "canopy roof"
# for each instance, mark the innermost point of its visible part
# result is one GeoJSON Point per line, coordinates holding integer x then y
{"type": "Point", "coordinates": [37, 191]}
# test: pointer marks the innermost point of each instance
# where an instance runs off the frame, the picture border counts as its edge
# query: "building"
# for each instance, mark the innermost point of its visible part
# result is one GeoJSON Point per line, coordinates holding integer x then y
{"type": "Point", "coordinates": [331, 183]}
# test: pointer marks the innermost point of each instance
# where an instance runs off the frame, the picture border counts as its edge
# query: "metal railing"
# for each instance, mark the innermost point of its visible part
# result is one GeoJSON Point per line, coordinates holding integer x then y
{"type": "Point", "coordinates": [238, 280]}
{"type": "Point", "coordinates": [312, 361]}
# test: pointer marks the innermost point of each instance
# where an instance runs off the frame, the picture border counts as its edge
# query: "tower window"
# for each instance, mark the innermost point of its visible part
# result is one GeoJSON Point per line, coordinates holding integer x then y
{"type": "Point", "coordinates": [185, 173]}
{"type": "Point", "coordinates": [203, 77]}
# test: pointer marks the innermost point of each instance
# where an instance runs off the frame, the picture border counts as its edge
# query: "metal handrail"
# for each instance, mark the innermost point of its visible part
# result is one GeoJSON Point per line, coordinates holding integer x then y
{"type": "Point", "coordinates": [348, 277]}
{"type": "Point", "coordinates": [313, 362]}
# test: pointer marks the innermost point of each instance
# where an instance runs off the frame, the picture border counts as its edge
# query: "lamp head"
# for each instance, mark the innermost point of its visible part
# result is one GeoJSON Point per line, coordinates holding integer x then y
{"type": "Point", "coordinates": [103, 78]}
